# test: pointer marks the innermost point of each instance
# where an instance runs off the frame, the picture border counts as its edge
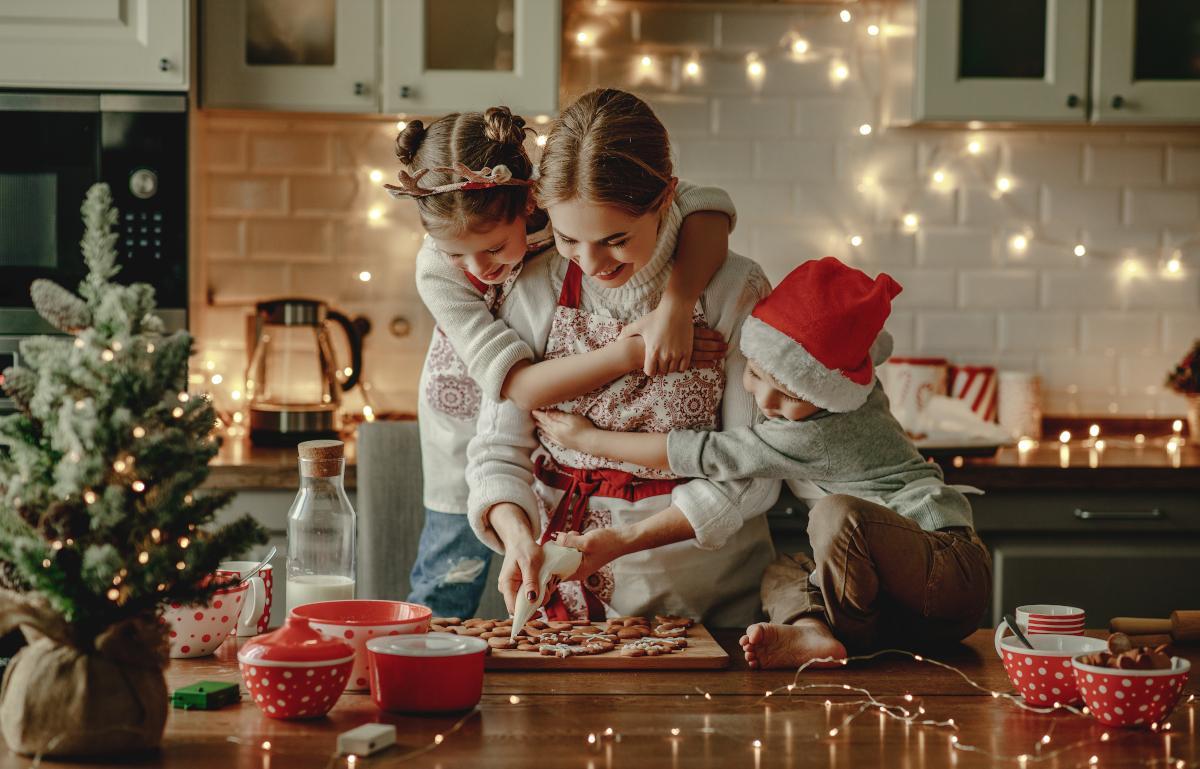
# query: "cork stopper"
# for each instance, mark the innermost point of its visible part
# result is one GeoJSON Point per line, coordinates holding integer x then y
{"type": "Point", "coordinates": [321, 459]}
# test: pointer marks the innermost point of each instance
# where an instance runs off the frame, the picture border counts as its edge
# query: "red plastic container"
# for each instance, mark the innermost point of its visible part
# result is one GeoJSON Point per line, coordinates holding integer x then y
{"type": "Point", "coordinates": [295, 672]}
{"type": "Point", "coordinates": [432, 673]}
{"type": "Point", "coordinates": [1136, 698]}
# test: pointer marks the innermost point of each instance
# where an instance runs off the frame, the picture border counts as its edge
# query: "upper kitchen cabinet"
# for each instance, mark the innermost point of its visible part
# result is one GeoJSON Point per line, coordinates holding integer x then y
{"type": "Point", "coordinates": [1044, 61]}
{"type": "Point", "coordinates": [304, 55]}
{"type": "Point", "coordinates": [1146, 61]}
{"type": "Point", "coordinates": [111, 44]}
{"type": "Point", "coordinates": [446, 55]}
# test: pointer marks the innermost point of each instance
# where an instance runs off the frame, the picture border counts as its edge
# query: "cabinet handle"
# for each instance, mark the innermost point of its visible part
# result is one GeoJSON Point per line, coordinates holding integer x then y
{"type": "Point", "coordinates": [1119, 515]}
{"type": "Point", "coordinates": [1118, 101]}
{"type": "Point", "coordinates": [164, 65]}
{"type": "Point", "coordinates": [405, 92]}
{"type": "Point", "coordinates": [360, 88]}
{"type": "Point", "coordinates": [1072, 100]}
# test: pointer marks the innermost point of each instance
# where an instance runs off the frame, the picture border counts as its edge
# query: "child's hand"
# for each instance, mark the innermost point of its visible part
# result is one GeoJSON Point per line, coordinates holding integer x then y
{"type": "Point", "coordinates": [673, 343]}
{"type": "Point", "coordinates": [599, 546]}
{"type": "Point", "coordinates": [568, 430]}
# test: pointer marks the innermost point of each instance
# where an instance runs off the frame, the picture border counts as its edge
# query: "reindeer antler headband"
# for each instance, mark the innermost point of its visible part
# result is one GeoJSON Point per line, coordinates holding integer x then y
{"type": "Point", "coordinates": [483, 179]}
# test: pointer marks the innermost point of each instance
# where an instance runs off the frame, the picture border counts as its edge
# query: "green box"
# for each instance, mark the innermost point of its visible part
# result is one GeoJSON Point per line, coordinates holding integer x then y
{"type": "Point", "coordinates": [206, 695]}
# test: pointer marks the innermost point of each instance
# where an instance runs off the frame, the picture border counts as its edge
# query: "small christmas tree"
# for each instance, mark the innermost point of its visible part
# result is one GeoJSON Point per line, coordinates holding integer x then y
{"type": "Point", "coordinates": [99, 519]}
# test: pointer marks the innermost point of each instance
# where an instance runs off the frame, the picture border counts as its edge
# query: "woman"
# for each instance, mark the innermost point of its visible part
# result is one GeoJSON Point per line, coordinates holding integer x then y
{"type": "Point", "coordinates": [693, 548]}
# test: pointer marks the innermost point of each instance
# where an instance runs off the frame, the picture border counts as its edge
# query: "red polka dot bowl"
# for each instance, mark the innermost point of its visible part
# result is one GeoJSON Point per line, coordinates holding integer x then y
{"type": "Point", "coordinates": [295, 672]}
{"type": "Point", "coordinates": [1043, 675]}
{"type": "Point", "coordinates": [431, 673]}
{"type": "Point", "coordinates": [197, 631]}
{"type": "Point", "coordinates": [358, 621]}
{"type": "Point", "coordinates": [1136, 698]}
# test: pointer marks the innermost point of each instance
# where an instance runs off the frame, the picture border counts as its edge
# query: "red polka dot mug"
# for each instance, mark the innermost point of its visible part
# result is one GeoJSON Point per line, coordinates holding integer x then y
{"type": "Point", "coordinates": [197, 631]}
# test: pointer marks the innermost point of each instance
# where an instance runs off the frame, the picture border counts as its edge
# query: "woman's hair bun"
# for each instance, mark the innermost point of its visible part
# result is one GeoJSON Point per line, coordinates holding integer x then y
{"type": "Point", "coordinates": [409, 141]}
{"type": "Point", "coordinates": [503, 127]}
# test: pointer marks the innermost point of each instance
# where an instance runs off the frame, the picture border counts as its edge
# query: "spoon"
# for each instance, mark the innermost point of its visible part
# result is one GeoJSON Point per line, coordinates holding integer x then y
{"type": "Point", "coordinates": [261, 564]}
{"type": "Point", "coordinates": [1012, 624]}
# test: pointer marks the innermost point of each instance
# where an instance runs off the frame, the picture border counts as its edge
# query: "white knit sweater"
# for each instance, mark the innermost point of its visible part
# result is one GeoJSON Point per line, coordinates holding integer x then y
{"type": "Point", "coordinates": [499, 463]}
{"type": "Point", "coordinates": [490, 349]}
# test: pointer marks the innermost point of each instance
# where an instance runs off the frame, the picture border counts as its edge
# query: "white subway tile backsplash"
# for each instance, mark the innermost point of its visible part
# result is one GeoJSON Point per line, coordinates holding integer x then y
{"type": "Point", "coordinates": [1119, 165]}
{"type": "Point", "coordinates": [755, 116]}
{"type": "Point", "coordinates": [997, 289]}
{"type": "Point", "coordinates": [285, 199]}
{"type": "Point", "coordinates": [1113, 332]}
{"type": "Point", "coordinates": [956, 331]}
{"type": "Point", "coordinates": [1039, 331]}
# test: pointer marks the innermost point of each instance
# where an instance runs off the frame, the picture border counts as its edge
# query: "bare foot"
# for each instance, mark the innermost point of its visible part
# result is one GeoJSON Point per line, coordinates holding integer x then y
{"type": "Point", "coordinates": [770, 646]}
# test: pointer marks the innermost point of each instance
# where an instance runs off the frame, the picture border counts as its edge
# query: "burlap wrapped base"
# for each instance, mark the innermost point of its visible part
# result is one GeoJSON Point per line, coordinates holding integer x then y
{"type": "Point", "coordinates": [59, 701]}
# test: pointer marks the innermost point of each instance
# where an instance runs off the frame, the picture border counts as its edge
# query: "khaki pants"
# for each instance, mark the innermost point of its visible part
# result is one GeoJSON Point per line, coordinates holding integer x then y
{"type": "Point", "coordinates": [879, 579]}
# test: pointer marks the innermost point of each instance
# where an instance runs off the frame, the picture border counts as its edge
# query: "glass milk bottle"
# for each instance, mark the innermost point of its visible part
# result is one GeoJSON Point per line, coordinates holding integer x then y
{"type": "Point", "coordinates": [320, 563]}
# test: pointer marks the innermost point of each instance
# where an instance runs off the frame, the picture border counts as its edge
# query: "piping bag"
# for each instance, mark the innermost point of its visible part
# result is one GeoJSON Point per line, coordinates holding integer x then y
{"type": "Point", "coordinates": [558, 562]}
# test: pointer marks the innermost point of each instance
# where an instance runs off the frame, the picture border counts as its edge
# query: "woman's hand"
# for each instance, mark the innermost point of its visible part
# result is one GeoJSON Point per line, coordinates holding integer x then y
{"type": "Point", "coordinates": [599, 546]}
{"type": "Point", "coordinates": [522, 555]}
{"type": "Point", "coordinates": [672, 342]}
{"type": "Point", "coordinates": [569, 430]}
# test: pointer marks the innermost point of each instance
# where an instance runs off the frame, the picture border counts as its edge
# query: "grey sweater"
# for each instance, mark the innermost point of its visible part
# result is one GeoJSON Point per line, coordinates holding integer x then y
{"type": "Point", "coordinates": [864, 453]}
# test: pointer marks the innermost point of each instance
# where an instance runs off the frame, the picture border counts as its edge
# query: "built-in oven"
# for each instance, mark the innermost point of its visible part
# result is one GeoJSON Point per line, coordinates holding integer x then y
{"type": "Point", "coordinates": [53, 147]}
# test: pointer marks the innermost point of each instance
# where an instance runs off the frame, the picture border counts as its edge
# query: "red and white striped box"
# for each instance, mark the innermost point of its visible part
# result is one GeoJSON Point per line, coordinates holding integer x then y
{"type": "Point", "coordinates": [977, 386]}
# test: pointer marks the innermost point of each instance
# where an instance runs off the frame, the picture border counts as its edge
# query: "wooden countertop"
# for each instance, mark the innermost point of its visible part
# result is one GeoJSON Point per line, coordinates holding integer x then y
{"type": "Point", "coordinates": [544, 719]}
{"type": "Point", "coordinates": [1122, 465]}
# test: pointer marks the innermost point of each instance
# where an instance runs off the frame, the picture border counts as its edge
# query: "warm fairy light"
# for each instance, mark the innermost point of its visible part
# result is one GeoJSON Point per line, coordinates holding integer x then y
{"type": "Point", "coordinates": [368, 413]}
{"type": "Point", "coordinates": [184, 542]}
{"type": "Point", "coordinates": [1018, 243]}
{"type": "Point", "coordinates": [953, 739]}
{"type": "Point", "coordinates": [1173, 445]}
{"type": "Point", "coordinates": [939, 176]}
{"type": "Point", "coordinates": [845, 16]}
{"type": "Point", "coordinates": [238, 416]}
{"type": "Point", "coordinates": [143, 557]}
{"type": "Point", "coordinates": [908, 698]}
{"type": "Point", "coordinates": [833, 732]}
{"type": "Point", "coordinates": [375, 213]}
{"type": "Point", "coordinates": [864, 129]}
{"type": "Point", "coordinates": [873, 30]}
{"type": "Point", "coordinates": [46, 563]}
{"type": "Point", "coordinates": [89, 496]}
{"type": "Point", "coordinates": [911, 222]}
{"type": "Point", "coordinates": [1177, 426]}
{"type": "Point", "coordinates": [975, 147]}
{"type": "Point", "coordinates": [79, 343]}
{"type": "Point", "coordinates": [119, 465]}
{"type": "Point", "coordinates": [364, 276]}
{"type": "Point", "coordinates": [1094, 760]}
{"type": "Point", "coordinates": [856, 240]}
{"type": "Point", "coordinates": [438, 739]}
{"type": "Point", "coordinates": [150, 348]}
{"type": "Point", "coordinates": [756, 744]}
{"type": "Point", "coordinates": [106, 356]}
{"type": "Point", "coordinates": [116, 345]}
{"type": "Point", "coordinates": [591, 738]}
{"type": "Point", "coordinates": [184, 397]}
{"type": "Point", "coordinates": [138, 486]}
{"type": "Point", "coordinates": [1100, 444]}
{"type": "Point", "coordinates": [351, 760]}
{"type": "Point", "coordinates": [113, 594]}
{"type": "Point", "coordinates": [266, 745]}
{"type": "Point", "coordinates": [401, 125]}
{"type": "Point", "coordinates": [647, 62]}
{"type": "Point", "coordinates": [1045, 739]}
{"type": "Point", "coordinates": [608, 732]}
{"type": "Point", "coordinates": [674, 731]}
{"type": "Point", "coordinates": [839, 71]}
{"type": "Point", "coordinates": [217, 379]}
{"type": "Point", "coordinates": [1003, 183]}
{"type": "Point", "coordinates": [584, 38]}
{"type": "Point", "coordinates": [1080, 249]}
{"type": "Point", "coordinates": [1094, 431]}
{"type": "Point", "coordinates": [177, 412]}
{"type": "Point", "coordinates": [1139, 439]}
{"type": "Point", "coordinates": [376, 175]}
{"type": "Point", "coordinates": [1064, 436]}
{"type": "Point", "coordinates": [692, 69]}
{"type": "Point", "coordinates": [800, 46]}
{"type": "Point", "coordinates": [180, 565]}
{"type": "Point", "coordinates": [56, 545]}
{"type": "Point", "coordinates": [156, 535]}
{"type": "Point", "coordinates": [754, 67]}
{"type": "Point", "coordinates": [1131, 267]}
{"type": "Point", "coordinates": [540, 141]}
{"type": "Point", "coordinates": [139, 432]}
{"type": "Point", "coordinates": [514, 699]}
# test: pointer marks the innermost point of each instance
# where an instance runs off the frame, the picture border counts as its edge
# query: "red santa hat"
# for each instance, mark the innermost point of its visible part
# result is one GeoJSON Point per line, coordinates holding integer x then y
{"type": "Point", "coordinates": [814, 332]}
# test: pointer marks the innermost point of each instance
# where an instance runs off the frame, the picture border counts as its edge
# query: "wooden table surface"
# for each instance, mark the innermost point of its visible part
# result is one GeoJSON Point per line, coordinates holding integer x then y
{"type": "Point", "coordinates": [546, 719]}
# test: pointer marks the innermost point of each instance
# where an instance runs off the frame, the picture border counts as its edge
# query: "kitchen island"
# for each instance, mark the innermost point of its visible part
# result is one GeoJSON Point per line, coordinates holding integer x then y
{"type": "Point", "coordinates": [685, 719]}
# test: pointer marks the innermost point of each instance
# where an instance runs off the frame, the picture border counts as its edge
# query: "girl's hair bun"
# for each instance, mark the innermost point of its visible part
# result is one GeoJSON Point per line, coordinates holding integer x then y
{"type": "Point", "coordinates": [409, 141]}
{"type": "Point", "coordinates": [503, 127]}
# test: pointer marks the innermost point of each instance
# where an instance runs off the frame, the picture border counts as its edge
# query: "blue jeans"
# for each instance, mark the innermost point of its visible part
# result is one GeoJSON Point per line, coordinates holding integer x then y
{"type": "Point", "coordinates": [451, 566]}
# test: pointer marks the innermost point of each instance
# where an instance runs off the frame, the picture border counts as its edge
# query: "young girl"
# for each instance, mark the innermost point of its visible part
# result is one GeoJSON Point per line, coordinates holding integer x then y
{"type": "Point", "coordinates": [606, 182]}
{"type": "Point", "coordinates": [895, 558]}
{"type": "Point", "coordinates": [470, 177]}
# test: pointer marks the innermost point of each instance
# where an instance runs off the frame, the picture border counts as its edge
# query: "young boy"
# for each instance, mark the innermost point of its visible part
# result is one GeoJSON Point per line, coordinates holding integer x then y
{"type": "Point", "coordinates": [896, 560]}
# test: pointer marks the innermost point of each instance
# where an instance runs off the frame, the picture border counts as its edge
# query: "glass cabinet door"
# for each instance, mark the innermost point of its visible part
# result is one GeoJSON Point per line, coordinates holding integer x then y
{"type": "Point", "coordinates": [1146, 61]}
{"type": "Point", "coordinates": [316, 55]}
{"type": "Point", "coordinates": [1011, 60]}
{"type": "Point", "coordinates": [448, 55]}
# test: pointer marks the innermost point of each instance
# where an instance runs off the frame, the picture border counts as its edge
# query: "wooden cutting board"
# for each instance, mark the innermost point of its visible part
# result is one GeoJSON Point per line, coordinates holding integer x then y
{"type": "Point", "coordinates": [702, 653]}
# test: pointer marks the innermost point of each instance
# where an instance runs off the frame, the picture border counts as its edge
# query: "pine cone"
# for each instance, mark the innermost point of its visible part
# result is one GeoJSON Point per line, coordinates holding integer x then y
{"type": "Point", "coordinates": [20, 384]}
{"type": "Point", "coordinates": [59, 307]}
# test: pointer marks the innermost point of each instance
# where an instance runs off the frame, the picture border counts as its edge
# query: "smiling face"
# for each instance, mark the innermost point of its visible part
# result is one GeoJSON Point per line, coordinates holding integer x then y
{"type": "Point", "coordinates": [773, 399]}
{"type": "Point", "coordinates": [608, 243]}
{"type": "Point", "coordinates": [488, 254]}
